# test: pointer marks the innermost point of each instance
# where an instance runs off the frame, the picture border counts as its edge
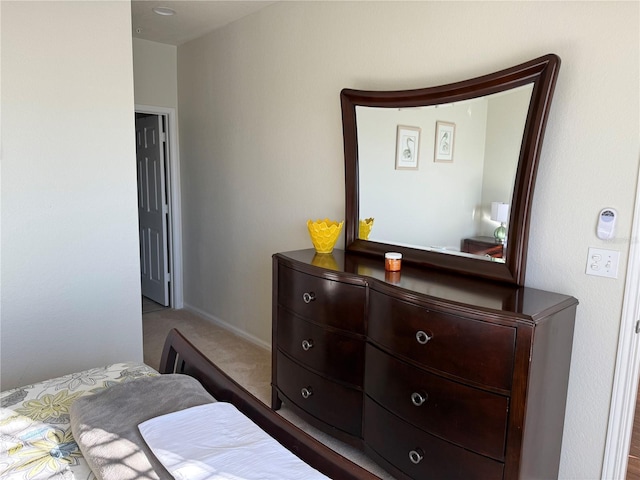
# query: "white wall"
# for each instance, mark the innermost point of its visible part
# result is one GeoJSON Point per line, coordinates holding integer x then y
{"type": "Point", "coordinates": [504, 139]}
{"type": "Point", "coordinates": [155, 73]}
{"type": "Point", "coordinates": [70, 261]}
{"type": "Point", "coordinates": [261, 141]}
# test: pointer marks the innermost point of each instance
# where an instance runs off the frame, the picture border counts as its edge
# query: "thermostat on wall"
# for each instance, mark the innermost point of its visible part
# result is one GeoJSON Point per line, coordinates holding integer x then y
{"type": "Point", "coordinates": [606, 223]}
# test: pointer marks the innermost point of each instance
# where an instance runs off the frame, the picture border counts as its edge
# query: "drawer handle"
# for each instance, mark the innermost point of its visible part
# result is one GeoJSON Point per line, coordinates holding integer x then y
{"type": "Point", "coordinates": [308, 297]}
{"type": "Point", "coordinates": [423, 337]}
{"type": "Point", "coordinates": [307, 344]}
{"type": "Point", "coordinates": [416, 456]}
{"type": "Point", "coordinates": [306, 392]}
{"type": "Point", "coordinates": [418, 398]}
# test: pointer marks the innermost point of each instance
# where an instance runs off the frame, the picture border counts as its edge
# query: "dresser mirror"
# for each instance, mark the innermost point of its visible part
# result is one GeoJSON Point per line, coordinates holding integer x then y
{"type": "Point", "coordinates": [440, 169]}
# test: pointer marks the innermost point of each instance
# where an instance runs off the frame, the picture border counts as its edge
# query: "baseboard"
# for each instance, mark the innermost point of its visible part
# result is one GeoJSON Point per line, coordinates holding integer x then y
{"type": "Point", "coordinates": [215, 320]}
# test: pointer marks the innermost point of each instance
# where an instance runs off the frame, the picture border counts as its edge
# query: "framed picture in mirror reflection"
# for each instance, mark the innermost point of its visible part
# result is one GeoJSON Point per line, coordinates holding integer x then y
{"type": "Point", "coordinates": [445, 136]}
{"type": "Point", "coordinates": [407, 146]}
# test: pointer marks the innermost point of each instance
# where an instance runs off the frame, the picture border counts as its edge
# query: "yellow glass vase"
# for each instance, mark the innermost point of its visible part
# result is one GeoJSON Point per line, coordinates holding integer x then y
{"type": "Point", "coordinates": [365, 228]}
{"type": "Point", "coordinates": [324, 234]}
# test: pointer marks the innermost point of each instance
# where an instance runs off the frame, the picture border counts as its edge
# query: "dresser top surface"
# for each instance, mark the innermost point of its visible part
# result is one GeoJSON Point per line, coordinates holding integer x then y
{"type": "Point", "coordinates": [431, 285]}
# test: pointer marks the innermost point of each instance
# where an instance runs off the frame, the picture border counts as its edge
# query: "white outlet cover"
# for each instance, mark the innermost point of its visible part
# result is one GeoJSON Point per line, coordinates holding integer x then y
{"type": "Point", "coordinates": [603, 263]}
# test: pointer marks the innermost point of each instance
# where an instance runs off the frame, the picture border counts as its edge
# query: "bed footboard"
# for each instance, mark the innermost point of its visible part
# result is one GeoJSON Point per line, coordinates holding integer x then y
{"type": "Point", "coordinates": [181, 356]}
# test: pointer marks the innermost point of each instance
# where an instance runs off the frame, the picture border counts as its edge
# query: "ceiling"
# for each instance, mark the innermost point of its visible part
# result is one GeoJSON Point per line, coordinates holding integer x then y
{"type": "Point", "coordinates": [191, 20]}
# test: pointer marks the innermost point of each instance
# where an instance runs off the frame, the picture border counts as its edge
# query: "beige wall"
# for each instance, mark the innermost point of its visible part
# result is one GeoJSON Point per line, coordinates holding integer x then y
{"type": "Point", "coordinates": [262, 150]}
{"type": "Point", "coordinates": [155, 74]}
{"type": "Point", "coordinates": [70, 262]}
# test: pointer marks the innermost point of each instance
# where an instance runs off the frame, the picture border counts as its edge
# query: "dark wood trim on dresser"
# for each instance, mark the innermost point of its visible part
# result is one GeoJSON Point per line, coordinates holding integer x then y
{"type": "Point", "coordinates": [432, 374]}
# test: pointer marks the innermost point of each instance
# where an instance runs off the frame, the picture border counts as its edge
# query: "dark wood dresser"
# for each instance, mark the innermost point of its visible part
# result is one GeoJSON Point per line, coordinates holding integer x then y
{"type": "Point", "coordinates": [434, 375]}
{"type": "Point", "coordinates": [483, 246]}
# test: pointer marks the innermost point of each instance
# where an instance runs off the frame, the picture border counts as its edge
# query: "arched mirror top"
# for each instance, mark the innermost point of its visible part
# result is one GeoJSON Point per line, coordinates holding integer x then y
{"type": "Point", "coordinates": [447, 173]}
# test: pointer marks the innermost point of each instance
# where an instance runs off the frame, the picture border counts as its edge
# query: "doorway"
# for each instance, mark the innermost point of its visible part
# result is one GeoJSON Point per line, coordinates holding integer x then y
{"type": "Point", "coordinates": [625, 383]}
{"type": "Point", "coordinates": [153, 207]}
{"type": "Point", "coordinates": [159, 207]}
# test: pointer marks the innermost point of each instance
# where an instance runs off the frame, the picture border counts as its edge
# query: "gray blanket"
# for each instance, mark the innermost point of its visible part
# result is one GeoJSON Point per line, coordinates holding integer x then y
{"type": "Point", "coordinates": [105, 425]}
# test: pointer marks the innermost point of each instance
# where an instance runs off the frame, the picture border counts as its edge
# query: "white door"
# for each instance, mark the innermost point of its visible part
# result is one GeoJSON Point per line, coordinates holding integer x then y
{"type": "Point", "coordinates": [152, 209]}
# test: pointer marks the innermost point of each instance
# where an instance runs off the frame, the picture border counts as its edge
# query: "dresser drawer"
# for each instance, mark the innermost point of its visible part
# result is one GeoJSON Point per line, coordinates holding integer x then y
{"type": "Point", "coordinates": [395, 440]}
{"type": "Point", "coordinates": [321, 300]}
{"type": "Point", "coordinates": [467, 416]}
{"type": "Point", "coordinates": [330, 402]}
{"type": "Point", "coordinates": [336, 355]}
{"type": "Point", "coordinates": [470, 349]}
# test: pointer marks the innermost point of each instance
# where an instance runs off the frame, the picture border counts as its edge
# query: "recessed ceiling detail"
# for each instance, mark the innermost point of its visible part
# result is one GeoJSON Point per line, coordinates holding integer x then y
{"type": "Point", "coordinates": [166, 11]}
{"type": "Point", "coordinates": [191, 19]}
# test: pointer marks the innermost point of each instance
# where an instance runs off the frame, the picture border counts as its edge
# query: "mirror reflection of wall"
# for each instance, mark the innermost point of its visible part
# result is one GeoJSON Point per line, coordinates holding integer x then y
{"type": "Point", "coordinates": [440, 203]}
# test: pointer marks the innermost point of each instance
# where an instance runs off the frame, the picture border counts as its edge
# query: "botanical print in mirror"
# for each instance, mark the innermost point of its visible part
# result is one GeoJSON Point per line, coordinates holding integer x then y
{"type": "Point", "coordinates": [407, 147]}
{"type": "Point", "coordinates": [445, 136]}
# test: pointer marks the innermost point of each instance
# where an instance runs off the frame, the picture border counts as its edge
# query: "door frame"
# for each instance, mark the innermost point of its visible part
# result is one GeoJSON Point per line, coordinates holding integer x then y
{"type": "Point", "coordinates": [174, 240]}
{"type": "Point", "coordinates": [625, 383]}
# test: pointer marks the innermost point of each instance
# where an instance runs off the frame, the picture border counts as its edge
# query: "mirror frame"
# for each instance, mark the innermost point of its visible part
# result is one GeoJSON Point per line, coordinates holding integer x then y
{"type": "Point", "coordinates": [542, 72]}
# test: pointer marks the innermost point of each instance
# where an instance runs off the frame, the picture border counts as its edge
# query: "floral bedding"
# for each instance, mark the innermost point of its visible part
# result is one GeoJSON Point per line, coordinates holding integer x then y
{"type": "Point", "coordinates": [35, 433]}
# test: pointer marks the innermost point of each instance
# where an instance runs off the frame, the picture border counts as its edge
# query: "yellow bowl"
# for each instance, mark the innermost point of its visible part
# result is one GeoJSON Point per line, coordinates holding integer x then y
{"type": "Point", "coordinates": [324, 234]}
{"type": "Point", "coordinates": [365, 228]}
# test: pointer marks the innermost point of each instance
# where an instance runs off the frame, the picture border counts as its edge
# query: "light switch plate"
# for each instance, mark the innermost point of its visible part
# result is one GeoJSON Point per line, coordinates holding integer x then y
{"type": "Point", "coordinates": [603, 263]}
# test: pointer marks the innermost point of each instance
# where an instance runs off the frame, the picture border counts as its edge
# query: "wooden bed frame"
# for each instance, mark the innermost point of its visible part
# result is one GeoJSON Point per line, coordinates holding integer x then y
{"type": "Point", "coordinates": [181, 356]}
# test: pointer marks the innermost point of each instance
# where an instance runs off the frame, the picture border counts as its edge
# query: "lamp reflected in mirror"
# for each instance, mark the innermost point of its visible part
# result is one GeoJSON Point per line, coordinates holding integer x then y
{"type": "Point", "coordinates": [500, 213]}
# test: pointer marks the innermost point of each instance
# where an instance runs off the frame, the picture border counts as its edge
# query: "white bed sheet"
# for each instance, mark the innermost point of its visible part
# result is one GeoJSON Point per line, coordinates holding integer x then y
{"type": "Point", "coordinates": [215, 442]}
